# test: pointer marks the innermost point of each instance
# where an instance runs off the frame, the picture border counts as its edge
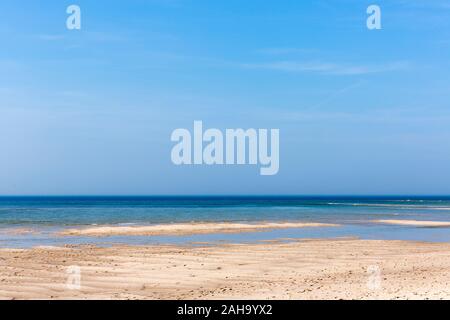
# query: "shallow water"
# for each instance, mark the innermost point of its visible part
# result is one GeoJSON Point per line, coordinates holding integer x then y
{"type": "Point", "coordinates": [47, 215]}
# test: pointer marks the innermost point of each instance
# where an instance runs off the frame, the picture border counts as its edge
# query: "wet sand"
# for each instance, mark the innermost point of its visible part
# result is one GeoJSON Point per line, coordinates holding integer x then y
{"type": "Point", "coordinates": [416, 223]}
{"type": "Point", "coordinates": [187, 228]}
{"type": "Point", "coordinates": [309, 269]}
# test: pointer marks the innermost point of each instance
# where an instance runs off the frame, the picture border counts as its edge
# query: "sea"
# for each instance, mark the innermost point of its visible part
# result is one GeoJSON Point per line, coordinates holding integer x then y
{"type": "Point", "coordinates": [46, 216]}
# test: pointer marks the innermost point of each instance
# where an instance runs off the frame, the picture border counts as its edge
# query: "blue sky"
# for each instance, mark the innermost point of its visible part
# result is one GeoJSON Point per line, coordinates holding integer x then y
{"type": "Point", "coordinates": [91, 111]}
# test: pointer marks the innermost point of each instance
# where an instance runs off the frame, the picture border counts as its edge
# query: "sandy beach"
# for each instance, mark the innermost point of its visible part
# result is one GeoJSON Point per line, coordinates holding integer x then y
{"type": "Point", "coordinates": [416, 223]}
{"type": "Point", "coordinates": [188, 228]}
{"type": "Point", "coordinates": [308, 269]}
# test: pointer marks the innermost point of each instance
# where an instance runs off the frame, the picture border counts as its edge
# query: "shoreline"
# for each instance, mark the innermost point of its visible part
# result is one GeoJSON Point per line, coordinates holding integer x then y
{"type": "Point", "coordinates": [299, 269]}
{"type": "Point", "coordinates": [178, 233]}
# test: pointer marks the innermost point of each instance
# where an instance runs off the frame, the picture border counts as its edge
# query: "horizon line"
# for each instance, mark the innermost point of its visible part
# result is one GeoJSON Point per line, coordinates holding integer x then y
{"type": "Point", "coordinates": [225, 195]}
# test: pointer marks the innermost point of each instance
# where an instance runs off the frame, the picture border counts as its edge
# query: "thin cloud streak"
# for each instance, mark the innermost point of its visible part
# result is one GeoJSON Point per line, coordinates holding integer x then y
{"type": "Point", "coordinates": [328, 68]}
{"type": "Point", "coordinates": [284, 50]}
{"type": "Point", "coordinates": [50, 37]}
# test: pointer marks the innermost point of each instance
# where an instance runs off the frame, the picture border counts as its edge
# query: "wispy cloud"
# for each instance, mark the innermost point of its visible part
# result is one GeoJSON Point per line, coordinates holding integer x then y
{"type": "Point", "coordinates": [167, 3]}
{"type": "Point", "coordinates": [328, 68]}
{"type": "Point", "coordinates": [100, 36]}
{"type": "Point", "coordinates": [284, 50]}
{"type": "Point", "coordinates": [9, 65]}
{"type": "Point", "coordinates": [94, 36]}
{"type": "Point", "coordinates": [334, 95]}
{"type": "Point", "coordinates": [50, 37]}
{"type": "Point", "coordinates": [381, 116]}
{"type": "Point", "coordinates": [428, 4]}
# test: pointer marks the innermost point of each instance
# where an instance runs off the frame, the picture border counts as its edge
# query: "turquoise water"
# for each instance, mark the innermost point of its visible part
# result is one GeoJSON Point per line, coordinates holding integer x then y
{"type": "Point", "coordinates": [354, 214]}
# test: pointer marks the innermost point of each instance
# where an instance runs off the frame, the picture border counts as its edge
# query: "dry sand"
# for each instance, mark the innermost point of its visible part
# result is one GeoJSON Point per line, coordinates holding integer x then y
{"type": "Point", "coordinates": [187, 228]}
{"type": "Point", "coordinates": [416, 223]}
{"type": "Point", "coordinates": [313, 269]}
